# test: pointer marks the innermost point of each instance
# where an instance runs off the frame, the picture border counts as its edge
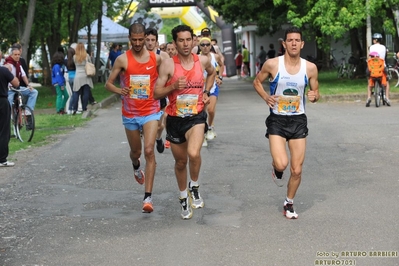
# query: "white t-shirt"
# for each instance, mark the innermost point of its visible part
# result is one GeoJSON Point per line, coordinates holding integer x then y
{"type": "Point", "coordinates": [380, 49]}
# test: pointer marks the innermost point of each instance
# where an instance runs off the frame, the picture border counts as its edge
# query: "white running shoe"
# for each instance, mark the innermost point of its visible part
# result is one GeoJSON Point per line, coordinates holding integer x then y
{"type": "Point", "coordinates": [205, 143]}
{"type": "Point", "coordinates": [210, 135]}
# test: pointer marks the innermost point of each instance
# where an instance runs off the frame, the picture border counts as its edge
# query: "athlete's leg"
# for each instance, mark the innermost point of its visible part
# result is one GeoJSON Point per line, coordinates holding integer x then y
{"type": "Point", "coordinates": [179, 152]}
{"type": "Point", "coordinates": [134, 140]}
{"type": "Point", "coordinates": [297, 151]}
{"type": "Point", "coordinates": [278, 152]}
{"type": "Point", "coordinates": [211, 108]}
{"type": "Point", "coordinates": [149, 132]}
{"type": "Point", "coordinates": [195, 138]}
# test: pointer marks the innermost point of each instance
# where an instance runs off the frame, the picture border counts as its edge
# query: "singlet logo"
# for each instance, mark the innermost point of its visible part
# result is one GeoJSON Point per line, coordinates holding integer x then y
{"type": "Point", "coordinates": [148, 68]}
{"type": "Point", "coordinates": [195, 84]}
{"type": "Point", "coordinates": [290, 92]}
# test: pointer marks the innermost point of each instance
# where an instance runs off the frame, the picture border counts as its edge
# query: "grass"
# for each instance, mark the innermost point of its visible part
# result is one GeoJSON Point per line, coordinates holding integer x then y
{"type": "Point", "coordinates": [49, 125]}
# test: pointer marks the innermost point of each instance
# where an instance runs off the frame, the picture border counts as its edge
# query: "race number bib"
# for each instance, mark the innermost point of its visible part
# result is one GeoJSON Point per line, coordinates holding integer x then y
{"type": "Point", "coordinates": [288, 104]}
{"type": "Point", "coordinates": [186, 105]}
{"type": "Point", "coordinates": [140, 87]}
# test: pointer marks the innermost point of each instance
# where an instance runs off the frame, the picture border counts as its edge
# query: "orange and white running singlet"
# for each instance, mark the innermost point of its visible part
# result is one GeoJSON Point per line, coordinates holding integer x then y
{"type": "Point", "coordinates": [140, 78]}
{"type": "Point", "coordinates": [188, 101]}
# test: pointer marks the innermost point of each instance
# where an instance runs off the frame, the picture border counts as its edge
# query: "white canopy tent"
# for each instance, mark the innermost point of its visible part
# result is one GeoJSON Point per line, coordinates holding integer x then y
{"type": "Point", "coordinates": [110, 32]}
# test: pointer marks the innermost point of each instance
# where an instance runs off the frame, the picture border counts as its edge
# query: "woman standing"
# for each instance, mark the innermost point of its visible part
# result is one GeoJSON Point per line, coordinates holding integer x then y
{"type": "Point", "coordinates": [71, 75]}
{"type": "Point", "coordinates": [82, 84]}
{"type": "Point", "coordinates": [58, 81]}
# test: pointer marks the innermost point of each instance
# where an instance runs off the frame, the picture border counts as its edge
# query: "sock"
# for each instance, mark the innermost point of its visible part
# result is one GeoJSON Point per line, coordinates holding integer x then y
{"type": "Point", "coordinates": [183, 194]}
{"type": "Point", "coordinates": [278, 174]}
{"type": "Point", "coordinates": [135, 167]}
{"type": "Point", "coordinates": [288, 201]}
{"type": "Point", "coordinates": [159, 139]}
{"type": "Point", "coordinates": [146, 195]}
{"type": "Point", "coordinates": [193, 184]}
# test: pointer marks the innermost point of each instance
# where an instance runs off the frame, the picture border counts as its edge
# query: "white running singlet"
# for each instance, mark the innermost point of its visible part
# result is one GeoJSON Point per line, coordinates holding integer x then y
{"type": "Point", "coordinates": [290, 89]}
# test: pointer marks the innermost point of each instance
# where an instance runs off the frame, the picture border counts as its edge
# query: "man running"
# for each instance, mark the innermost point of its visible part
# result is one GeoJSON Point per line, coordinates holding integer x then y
{"type": "Point", "coordinates": [289, 76]}
{"type": "Point", "coordinates": [140, 111]}
{"type": "Point", "coordinates": [151, 43]}
{"type": "Point", "coordinates": [181, 79]}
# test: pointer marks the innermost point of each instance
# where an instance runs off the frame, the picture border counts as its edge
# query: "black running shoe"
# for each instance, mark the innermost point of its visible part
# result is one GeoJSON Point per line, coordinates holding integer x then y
{"type": "Point", "coordinates": [160, 145]}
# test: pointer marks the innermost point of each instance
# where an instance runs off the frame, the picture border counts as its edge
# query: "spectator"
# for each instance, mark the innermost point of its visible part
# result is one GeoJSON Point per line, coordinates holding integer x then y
{"type": "Point", "coordinates": [238, 58]}
{"type": "Point", "coordinates": [245, 59]}
{"type": "Point", "coordinates": [17, 70]}
{"type": "Point", "coordinates": [58, 81]}
{"type": "Point", "coordinates": [23, 64]}
{"type": "Point", "coordinates": [82, 83]}
{"type": "Point", "coordinates": [5, 113]}
{"type": "Point", "coordinates": [113, 54]}
{"type": "Point", "coordinates": [261, 57]}
{"type": "Point", "coordinates": [71, 68]}
{"type": "Point", "coordinates": [271, 53]}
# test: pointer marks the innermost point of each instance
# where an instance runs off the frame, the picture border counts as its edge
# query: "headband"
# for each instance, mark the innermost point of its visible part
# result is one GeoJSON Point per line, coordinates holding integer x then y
{"type": "Point", "coordinates": [205, 39]}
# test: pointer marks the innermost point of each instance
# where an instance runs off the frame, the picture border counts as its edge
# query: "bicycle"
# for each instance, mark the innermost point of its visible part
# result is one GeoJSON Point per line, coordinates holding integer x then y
{"type": "Point", "coordinates": [376, 68]}
{"type": "Point", "coordinates": [393, 74]}
{"type": "Point", "coordinates": [333, 60]}
{"type": "Point", "coordinates": [22, 117]}
{"type": "Point", "coordinates": [343, 68]}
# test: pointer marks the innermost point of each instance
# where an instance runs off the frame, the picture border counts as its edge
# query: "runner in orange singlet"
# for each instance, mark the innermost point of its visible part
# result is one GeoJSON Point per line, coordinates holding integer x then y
{"type": "Point", "coordinates": [181, 79]}
{"type": "Point", "coordinates": [140, 111]}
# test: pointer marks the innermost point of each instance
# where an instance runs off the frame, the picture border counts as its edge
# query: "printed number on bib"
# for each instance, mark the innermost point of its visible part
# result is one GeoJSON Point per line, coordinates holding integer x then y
{"type": "Point", "coordinates": [140, 87]}
{"type": "Point", "coordinates": [288, 104]}
{"type": "Point", "coordinates": [186, 105]}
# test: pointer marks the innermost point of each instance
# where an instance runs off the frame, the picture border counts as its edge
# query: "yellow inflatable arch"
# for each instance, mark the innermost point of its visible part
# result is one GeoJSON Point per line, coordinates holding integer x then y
{"type": "Point", "coordinates": [187, 14]}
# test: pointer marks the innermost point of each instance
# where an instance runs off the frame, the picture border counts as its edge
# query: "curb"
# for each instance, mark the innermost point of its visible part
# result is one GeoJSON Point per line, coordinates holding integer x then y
{"type": "Point", "coordinates": [103, 104]}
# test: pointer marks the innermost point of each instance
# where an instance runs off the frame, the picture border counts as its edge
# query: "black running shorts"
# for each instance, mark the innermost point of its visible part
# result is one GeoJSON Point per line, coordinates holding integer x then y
{"type": "Point", "coordinates": [176, 127]}
{"type": "Point", "coordinates": [163, 102]}
{"type": "Point", "coordinates": [287, 126]}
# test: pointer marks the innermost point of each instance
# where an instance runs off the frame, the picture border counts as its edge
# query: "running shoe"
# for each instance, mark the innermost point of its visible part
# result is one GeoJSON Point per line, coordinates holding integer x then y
{"type": "Point", "coordinates": [160, 145]}
{"type": "Point", "coordinates": [147, 205]}
{"type": "Point", "coordinates": [210, 135]}
{"type": "Point", "coordinates": [368, 102]}
{"type": "Point", "coordinates": [196, 200]}
{"type": "Point", "coordinates": [7, 164]}
{"type": "Point", "coordinates": [205, 143]}
{"type": "Point", "coordinates": [167, 144]}
{"type": "Point", "coordinates": [279, 181]}
{"type": "Point", "coordinates": [186, 211]}
{"type": "Point", "coordinates": [139, 175]}
{"type": "Point", "coordinates": [289, 212]}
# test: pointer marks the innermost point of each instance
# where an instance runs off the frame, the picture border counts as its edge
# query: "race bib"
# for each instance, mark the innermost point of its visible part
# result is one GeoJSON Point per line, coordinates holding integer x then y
{"type": "Point", "coordinates": [140, 87]}
{"type": "Point", "coordinates": [186, 105]}
{"type": "Point", "coordinates": [288, 104]}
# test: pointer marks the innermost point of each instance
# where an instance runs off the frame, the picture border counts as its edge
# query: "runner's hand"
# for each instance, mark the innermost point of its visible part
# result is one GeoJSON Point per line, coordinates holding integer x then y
{"type": "Point", "coordinates": [271, 100]}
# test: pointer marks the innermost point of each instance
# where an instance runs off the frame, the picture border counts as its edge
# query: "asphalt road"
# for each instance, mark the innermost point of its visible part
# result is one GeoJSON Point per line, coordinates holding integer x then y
{"type": "Point", "coordinates": [75, 202]}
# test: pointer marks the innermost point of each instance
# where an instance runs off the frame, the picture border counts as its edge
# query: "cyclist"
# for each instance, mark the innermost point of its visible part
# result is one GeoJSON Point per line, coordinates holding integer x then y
{"type": "Point", "coordinates": [16, 69]}
{"type": "Point", "coordinates": [377, 47]}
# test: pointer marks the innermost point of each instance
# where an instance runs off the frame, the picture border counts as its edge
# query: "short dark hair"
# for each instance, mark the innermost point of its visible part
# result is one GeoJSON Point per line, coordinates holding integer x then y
{"type": "Point", "coordinates": [181, 28]}
{"type": "Point", "coordinates": [292, 29]}
{"type": "Point", "coordinates": [152, 31]}
{"type": "Point", "coordinates": [136, 28]}
{"type": "Point", "coordinates": [58, 58]}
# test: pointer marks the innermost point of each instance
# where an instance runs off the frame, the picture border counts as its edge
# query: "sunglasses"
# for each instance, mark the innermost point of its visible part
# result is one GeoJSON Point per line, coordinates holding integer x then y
{"type": "Point", "coordinates": [205, 44]}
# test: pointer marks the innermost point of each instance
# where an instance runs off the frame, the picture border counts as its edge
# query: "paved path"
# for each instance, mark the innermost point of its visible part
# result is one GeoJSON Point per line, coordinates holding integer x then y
{"type": "Point", "coordinates": [76, 203]}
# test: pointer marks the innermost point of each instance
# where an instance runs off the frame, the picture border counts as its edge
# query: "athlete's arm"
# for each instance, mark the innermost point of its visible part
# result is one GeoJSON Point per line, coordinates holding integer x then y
{"type": "Point", "coordinates": [119, 65]}
{"type": "Point", "coordinates": [165, 71]}
{"type": "Point", "coordinates": [313, 92]}
{"type": "Point", "coordinates": [221, 68]}
{"type": "Point", "coordinates": [210, 78]}
{"type": "Point", "coordinates": [269, 69]}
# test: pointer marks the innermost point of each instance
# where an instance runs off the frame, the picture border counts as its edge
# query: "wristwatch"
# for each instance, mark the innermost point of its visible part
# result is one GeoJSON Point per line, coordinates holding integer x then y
{"type": "Point", "coordinates": [221, 77]}
{"type": "Point", "coordinates": [207, 92]}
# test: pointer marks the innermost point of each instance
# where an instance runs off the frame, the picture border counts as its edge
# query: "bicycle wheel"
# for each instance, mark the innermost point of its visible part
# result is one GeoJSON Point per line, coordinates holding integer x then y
{"type": "Point", "coordinates": [377, 93]}
{"type": "Point", "coordinates": [340, 71]}
{"type": "Point", "coordinates": [393, 77]}
{"type": "Point", "coordinates": [25, 124]}
{"type": "Point", "coordinates": [351, 71]}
